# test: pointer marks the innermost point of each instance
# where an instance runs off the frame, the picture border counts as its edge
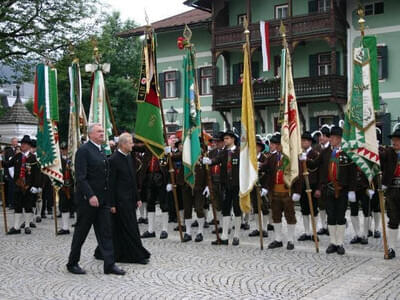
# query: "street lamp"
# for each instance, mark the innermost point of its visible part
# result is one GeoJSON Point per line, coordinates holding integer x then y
{"type": "Point", "coordinates": [172, 114]}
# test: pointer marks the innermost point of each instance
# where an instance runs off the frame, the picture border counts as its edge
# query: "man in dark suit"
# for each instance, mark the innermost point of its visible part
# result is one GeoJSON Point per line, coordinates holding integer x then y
{"type": "Point", "coordinates": [9, 153]}
{"type": "Point", "coordinates": [93, 198]}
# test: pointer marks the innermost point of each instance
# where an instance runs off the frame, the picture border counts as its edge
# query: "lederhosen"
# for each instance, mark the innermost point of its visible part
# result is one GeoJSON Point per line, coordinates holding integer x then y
{"type": "Point", "coordinates": [312, 168]}
{"type": "Point", "coordinates": [194, 197]}
{"type": "Point", "coordinates": [156, 185]}
{"type": "Point", "coordinates": [362, 197]}
{"type": "Point", "coordinates": [215, 173]}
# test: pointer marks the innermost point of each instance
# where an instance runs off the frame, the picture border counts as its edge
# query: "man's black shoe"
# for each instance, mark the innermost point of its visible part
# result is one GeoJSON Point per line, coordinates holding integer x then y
{"type": "Point", "coordinates": [183, 228]}
{"type": "Point", "coordinates": [62, 232]}
{"type": "Point", "coordinates": [304, 237]}
{"type": "Point", "coordinates": [219, 230]}
{"type": "Point", "coordinates": [391, 254]}
{"type": "Point", "coordinates": [14, 231]}
{"type": "Point", "coordinates": [270, 227]}
{"type": "Point", "coordinates": [265, 233]}
{"type": "Point", "coordinates": [235, 241]}
{"type": "Point", "coordinates": [199, 238]}
{"type": "Point", "coordinates": [142, 261]}
{"type": "Point", "coordinates": [114, 270]}
{"type": "Point", "coordinates": [38, 219]}
{"type": "Point", "coordinates": [377, 234]}
{"type": "Point", "coordinates": [147, 234]}
{"type": "Point", "coordinates": [28, 230]}
{"type": "Point", "coordinates": [32, 225]}
{"type": "Point", "coordinates": [364, 241]}
{"type": "Point", "coordinates": [290, 246]}
{"type": "Point", "coordinates": [275, 244]}
{"type": "Point", "coordinates": [245, 226]}
{"type": "Point", "coordinates": [331, 249]}
{"type": "Point", "coordinates": [255, 232]}
{"type": "Point", "coordinates": [221, 242]}
{"type": "Point", "coordinates": [369, 233]}
{"type": "Point", "coordinates": [212, 222]}
{"type": "Point", "coordinates": [206, 225]}
{"type": "Point", "coordinates": [140, 220]}
{"type": "Point", "coordinates": [73, 225]}
{"type": "Point", "coordinates": [355, 240]}
{"type": "Point", "coordinates": [340, 250]}
{"type": "Point", "coordinates": [163, 235]}
{"type": "Point", "coordinates": [23, 225]}
{"type": "Point", "coordinates": [186, 238]}
{"type": "Point", "coordinates": [195, 224]}
{"type": "Point", "coordinates": [76, 269]}
{"type": "Point", "coordinates": [312, 238]}
{"type": "Point", "coordinates": [44, 216]}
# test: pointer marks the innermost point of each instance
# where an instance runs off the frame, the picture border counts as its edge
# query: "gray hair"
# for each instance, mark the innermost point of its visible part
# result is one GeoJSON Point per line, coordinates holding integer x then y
{"type": "Point", "coordinates": [92, 126]}
{"type": "Point", "coordinates": [123, 138]}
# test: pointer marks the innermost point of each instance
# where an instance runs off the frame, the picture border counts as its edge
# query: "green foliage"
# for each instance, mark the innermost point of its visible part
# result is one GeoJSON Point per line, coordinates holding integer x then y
{"type": "Point", "coordinates": [29, 105]}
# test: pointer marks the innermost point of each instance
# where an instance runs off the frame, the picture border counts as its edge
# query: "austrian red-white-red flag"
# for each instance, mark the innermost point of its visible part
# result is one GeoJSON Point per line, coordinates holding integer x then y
{"type": "Point", "coordinates": [265, 49]}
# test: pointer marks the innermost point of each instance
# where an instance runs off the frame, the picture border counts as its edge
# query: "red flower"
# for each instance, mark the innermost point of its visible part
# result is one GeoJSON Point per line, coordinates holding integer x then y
{"type": "Point", "coordinates": [181, 43]}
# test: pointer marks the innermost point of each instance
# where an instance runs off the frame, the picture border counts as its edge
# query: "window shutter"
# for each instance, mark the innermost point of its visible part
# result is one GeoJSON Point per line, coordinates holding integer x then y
{"type": "Point", "coordinates": [215, 128]}
{"type": "Point", "coordinates": [178, 83]}
{"type": "Point", "coordinates": [336, 120]}
{"type": "Point", "coordinates": [337, 63]}
{"type": "Point", "coordinates": [383, 52]}
{"type": "Point", "coordinates": [312, 6]}
{"type": "Point", "coordinates": [255, 70]}
{"type": "Point", "coordinates": [313, 64]}
{"type": "Point", "coordinates": [161, 83]}
{"type": "Point", "coordinates": [313, 124]}
{"type": "Point", "coordinates": [235, 73]}
{"type": "Point", "coordinates": [198, 80]}
{"type": "Point", "coordinates": [216, 76]}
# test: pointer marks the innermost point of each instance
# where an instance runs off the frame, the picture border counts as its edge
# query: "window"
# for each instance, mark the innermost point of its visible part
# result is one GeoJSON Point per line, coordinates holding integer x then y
{"type": "Point", "coordinates": [277, 65]}
{"type": "Point", "coordinates": [324, 64]}
{"type": "Point", "coordinates": [205, 80]}
{"type": "Point", "coordinates": [241, 18]}
{"type": "Point", "coordinates": [329, 120]}
{"type": "Point", "coordinates": [382, 62]}
{"type": "Point", "coordinates": [324, 5]}
{"type": "Point", "coordinates": [376, 8]}
{"type": "Point", "coordinates": [281, 11]}
{"type": "Point", "coordinates": [170, 84]}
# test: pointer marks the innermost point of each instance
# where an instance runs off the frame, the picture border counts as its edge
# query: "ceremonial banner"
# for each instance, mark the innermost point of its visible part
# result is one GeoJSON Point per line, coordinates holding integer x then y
{"type": "Point", "coordinates": [359, 131]}
{"type": "Point", "coordinates": [290, 130]}
{"type": "Point", "coordinates": [191, 119]}
{"type": "Point", "coordinates": [248, 169]}
{"type": "Point", "coordinates": [149, 124]}
{"type": "Point", "coordinates": [265, 48]}
{"type": "Point", "coordinates": [77, 116]}
{"type": "Point", "coordinates": [46, 110]}
{"type": "Point", "coordinates": [370, 43]}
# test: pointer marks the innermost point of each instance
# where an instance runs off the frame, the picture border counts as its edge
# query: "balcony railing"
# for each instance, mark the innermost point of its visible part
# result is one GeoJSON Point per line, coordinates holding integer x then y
{"type": "Point", "coordinates": [297, 28]}
{"type": "Point", "coordinates": [308, 89]}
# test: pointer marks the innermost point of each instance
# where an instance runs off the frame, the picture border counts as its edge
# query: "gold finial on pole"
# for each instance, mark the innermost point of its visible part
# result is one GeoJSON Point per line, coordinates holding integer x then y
{"type": "Point", "coordinates": [96, 53]}
{"type": "Point", "coordinates": [72, 53]}
{"type": "Point", "coordinates": [246, 30]}
{"type": "Point", "coordinates": [187, 34]}
{"type": "Point", "coordinates": [361, 20]}
{"type": "Point", "coordinates": [282, 30]}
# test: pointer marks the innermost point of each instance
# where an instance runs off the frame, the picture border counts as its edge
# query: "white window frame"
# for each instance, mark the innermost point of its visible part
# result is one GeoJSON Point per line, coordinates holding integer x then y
{"type": "Point", "coordinates": [205, 82]}
{"type": "Point", "coordinates": [170, 85]}
{"type": "Point", "coordinates": [241, 18]}
{"type": "Point", "coordinates": [281, 7]}
{"type": "Point", "coordinates": [326, 67]}
{"type": "Point", "coordinates": [325, 117]}
{"type": "Point", "coordinates": [373, 7]}
{"type": "Point", "coordinates": [326, 5]}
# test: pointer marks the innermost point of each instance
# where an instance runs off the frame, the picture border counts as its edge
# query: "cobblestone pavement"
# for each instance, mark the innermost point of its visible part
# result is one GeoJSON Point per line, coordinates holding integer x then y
{"type": "Point", "coordinates": [33, 267]}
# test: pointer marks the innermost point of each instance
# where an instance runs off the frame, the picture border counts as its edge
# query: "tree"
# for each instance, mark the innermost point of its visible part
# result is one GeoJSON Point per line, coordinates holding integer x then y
{"type": "Point", "coordinates": [38, 28]}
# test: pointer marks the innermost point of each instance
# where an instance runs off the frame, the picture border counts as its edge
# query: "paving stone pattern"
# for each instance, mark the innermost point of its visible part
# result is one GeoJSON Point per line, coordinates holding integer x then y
{"type": "Point", "coordinates": [33, 267]}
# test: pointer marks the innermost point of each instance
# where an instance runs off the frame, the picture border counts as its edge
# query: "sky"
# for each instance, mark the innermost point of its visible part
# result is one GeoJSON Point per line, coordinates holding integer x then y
{"type": "Point", "coordinates": [156, 9]}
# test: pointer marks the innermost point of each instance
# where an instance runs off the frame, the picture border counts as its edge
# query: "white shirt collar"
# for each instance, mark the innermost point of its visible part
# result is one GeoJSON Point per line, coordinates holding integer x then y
{"type": "Point", "coordinates": [273, 152]}
{"type": "Point", "coordinates": [308, 149]}
{"type": "Point", "coordinates": [26, 154]}
{"type": "Point", "coordinates": [97, 145]}
{"type": "Point", "coordinates": [326, 145]}
{"type": "Point", "coordinates": [258, 155]}
{"type": "Point", "coordinates": [122, 152]}
{"type": "Point", "coordinates": [233, 148]}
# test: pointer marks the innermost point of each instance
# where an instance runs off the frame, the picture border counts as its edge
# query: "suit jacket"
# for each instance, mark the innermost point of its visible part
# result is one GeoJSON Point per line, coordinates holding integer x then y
{"type": "Point", "coordinates": [141, 157]}
{"type": "Point", "coordinates": [9, 152]}
{"type": "Point", "coordinates": [92, 174]}
{"type": "Point", "coordinates": [389, 158]}
{"type": "Point", "coordinates": [312, 167]}
{"type": "Point", "coordinates": [32, 169]}
{"type": "Point", "coordinates": [222, 160]}
{"type": "Point", "coordinates": [215, 177]}
{"type": "Point", "coordinates": [123, 186]}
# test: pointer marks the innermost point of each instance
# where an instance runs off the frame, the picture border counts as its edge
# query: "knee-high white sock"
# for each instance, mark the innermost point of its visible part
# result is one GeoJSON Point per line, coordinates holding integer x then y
{"type": "Point", "coordinates": [141, 211]}
{"type": "Point", "coordinates": [65, 220]}
{"type": "Point", "coordinates": [182, 216]}
{"type": "Point", "coordinates": [306, 222]}
{"type": "Point", "coordinates": [332, 234]}
{"type": "Point", "coordinates": [164, 218]}
{"type": "Point", "coordinates": [237, 227]}
{"type": "Point", "coordinates": [201, 225]}
{"type": "Point", "coordinates": [39, 205]}
{"type": "Point", "coordinates": [188, 224]}
{"type": "Point", "coordinates": [377, 220]}
{"type": "Point", "coordinates": [270, 221]}
{"type": "Point", "coordinates": [392, 237]}
{"type": "Point", "coordinates": [340, 234]}
{"type": "Point", "coordinates": [225, 227]}
{"type": "Point", "coordinates": [278, 231]}
{"type": "Point", "coordinates": [246, 218]}
{"type": "Point", "coordinates": [17, 221]}
{"type": "Point", "coordinates": [291, 229]}
{"type": "Point", "coordinates": [366, 226]}
{"type": "Point", "coordinates": [151, 218]}
{"type": "Point", "coordinates": [219, 216]}
{"type": "Point", "coordinates": [265, 222]}
{"type": "Point", "coordinates": [28, 219]}
{"type": "Point", "coordinates": [256, 221]}
{"type": "Point", "coordinates": [205, 214]}
{"type": "Point", "coordinates": [322, 217]}
{"type": "Point", "coordinates": [355, 221]}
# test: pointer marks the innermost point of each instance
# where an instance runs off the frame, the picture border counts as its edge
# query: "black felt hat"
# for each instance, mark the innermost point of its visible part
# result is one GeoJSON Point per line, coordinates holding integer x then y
{"type": "Point", "coordinates": [326, 131]}
{"type": "Point", "coordinates": [26, 140]}
{"type": "Point", "coordinates": [307, 136]}
{"type": "Point", "coordinates": [396, 134]}
{"type": "Point", "coordinates": [336, 130]}
{"type": "Point", "coordinates": [276, 139]}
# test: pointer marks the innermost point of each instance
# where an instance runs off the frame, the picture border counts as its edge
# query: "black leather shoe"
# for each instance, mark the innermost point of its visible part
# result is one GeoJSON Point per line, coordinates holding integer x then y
{"type": "Point", "coordinates": [355, 240]}
{"type": "Point", "coordinates": [32, 225]}
{"type": "Point", "coordinates": [290, 246]}
{"type": "Point", "coordinates": [73, 225]}
{"type": "Point", "coordinates": [163, 235]}
{"type": "Point", "coordinates": [199, 238]}
{"type": "Point", "coordinates": [369, 233]}
{"type": "Point", "coordinates": [312, 238]}
{"type": "Point", "coordinates": [323, 231]}
{"type": "Point", "coordinates": [364, 241]}
{"type": "Point", "coordinates": [265, 233]}
{"type": "Point", "coordinates": [255, 232]}
{"type": "Point", "coordinates": [377, 234]}
{"type": "Point", "coordinates": [140, 220]}
{"type": "Point", "coordinates": [147, 234]}
{"type": "Point", "coordinates": [331, 249]}
{"type": "Point", "coordinates": [186, 238]}
{"type": "Point", "coordinates": [44, 216]}
{"type": "Point", "coordinates": [76, 269]}
{"type": "Point", "coordinates": [340, 250]}
{"type": "Point", "coordinates": [183, 228]}
{"type": "Point", "coordinates": [235, 241]}
{"type": "Point", "coordinates": [63, 231]}
{"type": "Point", "coordinates": [245, 226]}
{"type": "Point", "coordinates": [23, 225]}
{"type": "Point", "coordinates": [270, 227]}
{"type": "Point", "coordinates": [219, 230]}
{"type": "Point", "coordinates": [304, 237]}
{"type": "Point", "coordinates": [142, 262]}
{"type": "Point", "coordinates": [145, 221]}
{"type": "Point", "coordinates": [114, 270]}
{"type": "Point", "coordinates": [206, 225]}
{"type": "Point", "coordinates": [391, 254]}
{"type": "Point", "coordinates": [38, 219]}
{"type": "Point", "coordinates": [28, 230]}
{"type": "Point", "coordinates": [195, 224]}
{"type": "Point", "coordinates": [14, 231]}
{"type": "Point", "coordinates": [212, 222]}
{"type": "Point", "coordinates": [275, 244]}
{"type": "Point", "coordinates": [221, 242]}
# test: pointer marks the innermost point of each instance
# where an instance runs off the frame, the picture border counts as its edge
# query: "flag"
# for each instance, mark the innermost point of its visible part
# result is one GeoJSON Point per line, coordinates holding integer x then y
{"type": "Point", "coordinates": [149, 124]}
{"type": "Point", "coordinates": [191, 119]}
{"type": "Point", "coordinates": [98, 112]}
{"type": "Point", "coordinates": [290, 127]}
{"type": "Point", "coordinates": [46, 109]}
{"type": "Point", "coordinates": [248, 169]}
{"type": "Point", "coordinates": [265, 49]}
{"type": "Point", "coordinates": [359, 131]}
{"type": "Point", "coordinates": [370, 43]}
{"type": "Point", "coordinates": [77, 116]}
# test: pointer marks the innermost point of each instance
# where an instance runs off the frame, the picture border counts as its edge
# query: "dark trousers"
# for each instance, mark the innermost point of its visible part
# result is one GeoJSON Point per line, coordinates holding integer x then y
{"type": "Point", "coordinates": [336, 207]}
{"type": "Point", "coordinates": [304, 203]}
{"type": "Point", "coordinates": [393, 207]}
{"type": "Point", "coordinates": [47, 197]}
{"type": "Point", "coordinates": [217, 192]}
{"type": "Point", "coordinates": [9, 191]}
{"type": "Point", "coordinates": [156, 194]}
{"type": "Point", "coordinates": [282, 203]}
{"type": "Point", "coordinates": [363, 199]}
{"type": "Point", "coordinates": [231, 199]}
{"type": "Point", "coordinates": [22, 200]}
{"type": "Point", "coordinates": [254, 202]}
{"type": "Point", "coordinates": [101, 220]}
{"type": "Point", "coordinates": [190, 199]}
{"type": "Point", "coordinates": [375, 206]}
{"type": "Point", "coordinates": [65, 204]}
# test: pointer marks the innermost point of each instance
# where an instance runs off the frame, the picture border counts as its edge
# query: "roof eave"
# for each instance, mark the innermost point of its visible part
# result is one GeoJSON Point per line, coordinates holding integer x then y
{"type": "Point", "coordinates": [192, 3]}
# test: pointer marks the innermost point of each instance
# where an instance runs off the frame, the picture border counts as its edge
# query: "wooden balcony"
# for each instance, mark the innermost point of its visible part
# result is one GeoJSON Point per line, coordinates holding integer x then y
{"type": "Point", "coordinates": [298, 28]}
{"type": "Point", "coordinates": [331, 88]}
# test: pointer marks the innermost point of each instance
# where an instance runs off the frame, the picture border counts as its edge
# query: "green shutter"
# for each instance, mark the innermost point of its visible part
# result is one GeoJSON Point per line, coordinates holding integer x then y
{"type": "Point", "coordinates": [161, 83]}
{"type": "Point", "coordinates": [235, 73]}
{"type": "Point", "coordinates": [313, 64]}
{"type": "Point", "coordinates": [337, 63]}
{"type": "Point", "coordinates": [198, 72]}
{"type": "Point", "coordinates": [312, 6]}
{"type": "Point", "coordinates": [178, 83]}
{"type": "Point", "coordinates": [255, 73]}
{"type": "Point", "coordinates": [314, 124]}
{"type": "Point", "coordinates": [383, 52]}
{"type": "Point", "coordinates": [216, 76]}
